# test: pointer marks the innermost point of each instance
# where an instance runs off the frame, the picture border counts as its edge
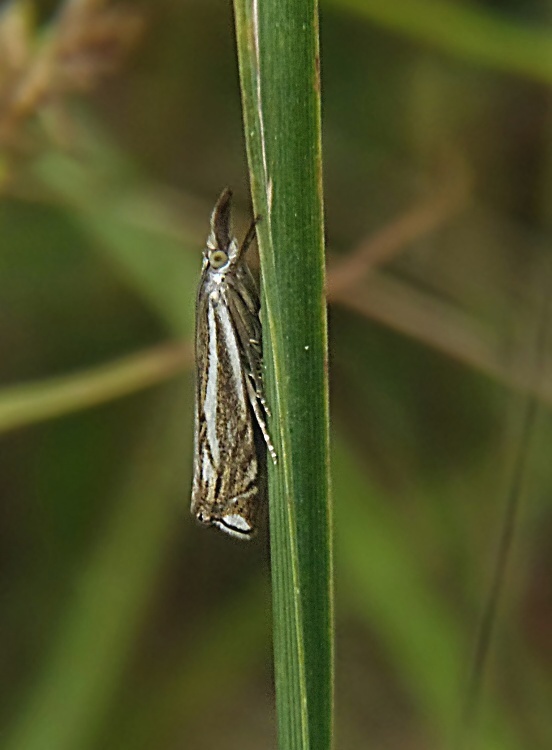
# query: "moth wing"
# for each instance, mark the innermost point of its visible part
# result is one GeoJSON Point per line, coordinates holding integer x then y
{"type": "Point", "coordinates": [225, 486]}
{"type": "Point", "coordinates": [201, 374]}
{"type": "Point", "coordinates": [249, 331]}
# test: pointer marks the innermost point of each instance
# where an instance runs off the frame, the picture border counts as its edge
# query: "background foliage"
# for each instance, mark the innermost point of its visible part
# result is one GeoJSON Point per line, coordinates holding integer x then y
{"type": "Point", "coordinates": [122, 624]}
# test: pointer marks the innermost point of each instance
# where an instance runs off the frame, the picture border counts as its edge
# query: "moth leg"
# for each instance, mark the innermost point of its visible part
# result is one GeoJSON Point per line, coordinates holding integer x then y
{"type": "Point", "coordinates": [254, 368]}
{"type": "Point", "coordinates": [249, 333]}
{"type": "Point", "coordinates": [255, 401]}
{"type": "Point", "coordinates": [253, 353]}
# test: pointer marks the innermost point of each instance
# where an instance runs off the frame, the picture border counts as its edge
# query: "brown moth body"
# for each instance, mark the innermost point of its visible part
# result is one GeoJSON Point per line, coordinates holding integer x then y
{"type": "Point", "coordinates": [230, 403]}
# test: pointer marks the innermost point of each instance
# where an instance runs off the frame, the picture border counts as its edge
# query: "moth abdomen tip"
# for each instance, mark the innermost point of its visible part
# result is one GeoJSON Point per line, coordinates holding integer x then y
{"type": "Point", "coordinates": [236, 526]}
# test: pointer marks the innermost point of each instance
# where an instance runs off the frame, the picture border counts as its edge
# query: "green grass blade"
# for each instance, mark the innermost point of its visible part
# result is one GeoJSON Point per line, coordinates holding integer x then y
{"type": "Point", "coordinates": [279, 69]}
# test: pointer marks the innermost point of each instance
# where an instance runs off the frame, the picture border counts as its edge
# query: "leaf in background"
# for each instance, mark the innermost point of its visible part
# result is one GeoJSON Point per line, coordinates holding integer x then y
{"type": "Point", "coordinates": [160, 266]}
{"type": "Point", "coordinates": [76, 687]}
{"type": "Point", "coordinates": [388, 588]}
{"type": "Point", "coordinates": [465, 30]}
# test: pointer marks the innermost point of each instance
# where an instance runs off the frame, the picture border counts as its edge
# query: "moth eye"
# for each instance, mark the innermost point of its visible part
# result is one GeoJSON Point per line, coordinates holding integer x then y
{"type": "Point", "coordinates": [218, 258]}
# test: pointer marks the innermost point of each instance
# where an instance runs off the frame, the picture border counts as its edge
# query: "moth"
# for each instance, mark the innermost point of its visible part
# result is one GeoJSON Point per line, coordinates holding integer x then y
{"type": "Point", "coordinates": [231, 434]}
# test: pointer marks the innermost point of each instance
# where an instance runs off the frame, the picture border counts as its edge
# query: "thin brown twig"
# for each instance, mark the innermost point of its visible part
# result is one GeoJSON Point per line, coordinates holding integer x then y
{"type": "Point", "coordinates": [413, 313]}
{"type": "Point", "coordinates": [419, 221]}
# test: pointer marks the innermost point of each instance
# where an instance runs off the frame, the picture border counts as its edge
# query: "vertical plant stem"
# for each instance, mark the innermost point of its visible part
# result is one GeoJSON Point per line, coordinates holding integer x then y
{"type": "Point", "coordinates": [509, 525]}
{"type": "Point", "coordinates": [279, 70]}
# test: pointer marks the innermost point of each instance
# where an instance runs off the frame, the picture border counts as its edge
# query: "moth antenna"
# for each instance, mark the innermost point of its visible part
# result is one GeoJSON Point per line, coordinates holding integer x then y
{"type": "Point", "coordinates": [250, 236]}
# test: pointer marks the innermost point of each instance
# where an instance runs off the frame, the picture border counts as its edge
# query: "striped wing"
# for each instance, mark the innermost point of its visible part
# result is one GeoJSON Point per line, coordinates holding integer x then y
{"type": "Point", "coordinates": [225, 487]}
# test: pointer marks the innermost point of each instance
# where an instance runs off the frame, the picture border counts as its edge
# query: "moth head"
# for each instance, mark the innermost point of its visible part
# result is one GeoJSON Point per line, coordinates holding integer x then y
{"type": "Point", "coordinates": [218, 258]}
{"type": "Point", "coordinates": [221, 248]}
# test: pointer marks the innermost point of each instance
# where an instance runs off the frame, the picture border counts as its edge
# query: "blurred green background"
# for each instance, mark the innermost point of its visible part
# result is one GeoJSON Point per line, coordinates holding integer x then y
{"type": "Point", "coordinates": [123, 624]}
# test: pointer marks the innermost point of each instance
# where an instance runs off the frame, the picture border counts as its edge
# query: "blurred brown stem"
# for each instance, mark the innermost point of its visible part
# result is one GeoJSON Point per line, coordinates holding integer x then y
{"type": "Point", "coordinates": [419, 221]}
{"type": "Point", "coordinates": [86, 40]}
{"type": "Point", "coordinates": [401, 307]}
{"type": "Point", "coordinates": [355, 283]}
{"type": "Point", "coordinates": [22, 405]}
